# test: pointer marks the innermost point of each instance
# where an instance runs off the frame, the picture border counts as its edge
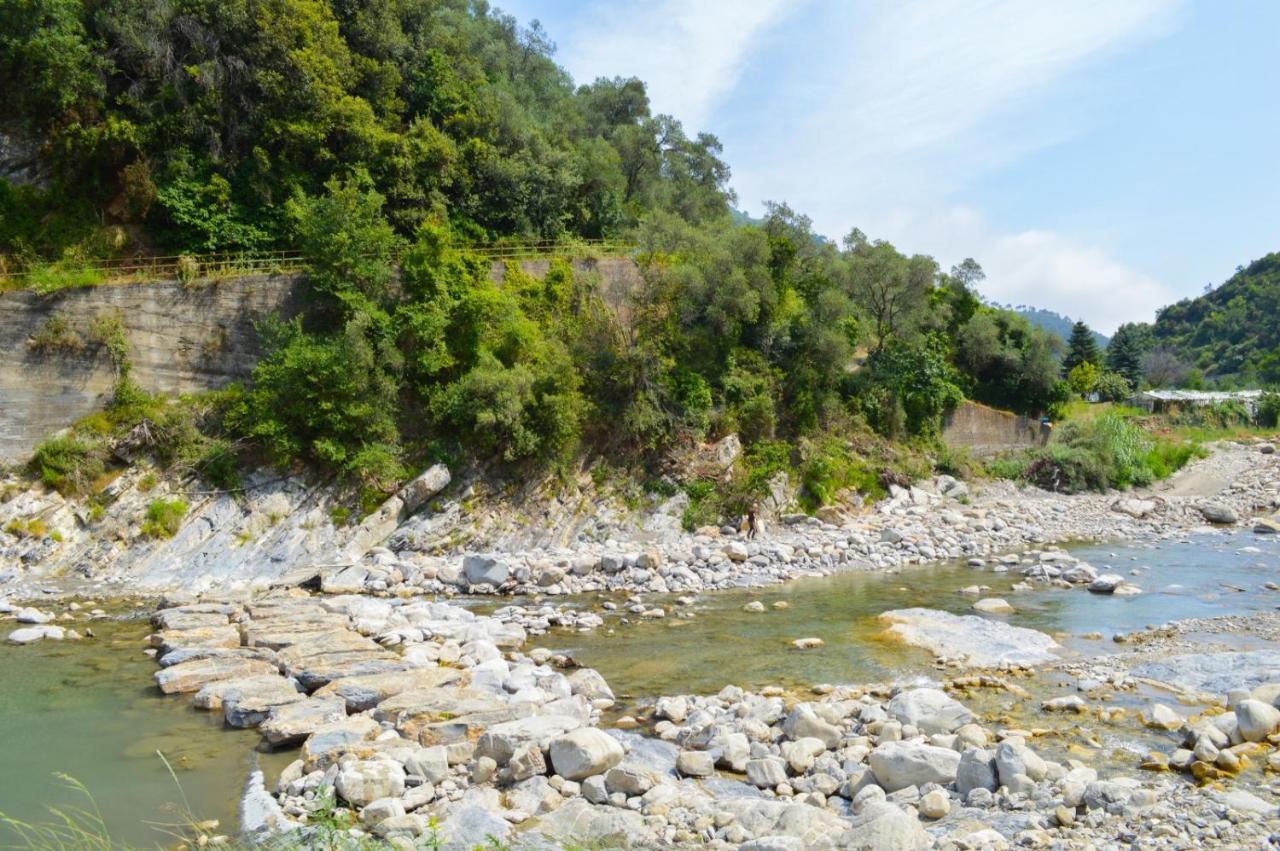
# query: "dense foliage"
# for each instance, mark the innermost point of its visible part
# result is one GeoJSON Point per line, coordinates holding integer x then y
{"type": "Point", "coordinates": [383, 139]}
{"type": "Point", "coordinates": [1230, 333]}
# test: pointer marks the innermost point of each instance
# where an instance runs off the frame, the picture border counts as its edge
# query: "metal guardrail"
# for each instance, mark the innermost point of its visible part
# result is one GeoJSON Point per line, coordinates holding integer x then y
{"type": "Point", "coordinates": [230, 264]}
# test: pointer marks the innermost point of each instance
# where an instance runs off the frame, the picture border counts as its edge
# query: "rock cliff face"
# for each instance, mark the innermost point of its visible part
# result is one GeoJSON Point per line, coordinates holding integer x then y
{"type": "Point", "coordinates": [181, 339]}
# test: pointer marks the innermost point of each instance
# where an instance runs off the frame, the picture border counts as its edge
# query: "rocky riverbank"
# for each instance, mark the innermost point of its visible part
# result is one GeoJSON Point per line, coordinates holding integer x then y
{"type": "Point", "coordinates": [406, 712]}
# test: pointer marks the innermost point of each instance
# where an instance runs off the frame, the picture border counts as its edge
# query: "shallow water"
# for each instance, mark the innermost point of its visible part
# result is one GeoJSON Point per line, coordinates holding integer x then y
{"type": "Point", "coordinates": [89, 709]}
{"type": "Point", "coordinates": [723, 644]}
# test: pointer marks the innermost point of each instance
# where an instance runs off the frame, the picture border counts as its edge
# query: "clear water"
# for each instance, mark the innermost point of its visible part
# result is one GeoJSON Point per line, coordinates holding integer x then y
{"type": "Point", "coordinates": [89, 709]}
{"type": "Point", "coordinates": [723, 644]}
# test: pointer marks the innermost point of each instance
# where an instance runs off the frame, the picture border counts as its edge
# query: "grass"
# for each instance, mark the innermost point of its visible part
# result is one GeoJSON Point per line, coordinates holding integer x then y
{"type": "Point", "coordinates": [164, 518]}
{"type": "Point", "coordinates": [32, 527]}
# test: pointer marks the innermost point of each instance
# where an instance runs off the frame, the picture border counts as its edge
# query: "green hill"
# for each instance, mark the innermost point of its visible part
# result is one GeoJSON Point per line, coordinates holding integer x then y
{"type": "Point", "coordinates": [1054, 323]}
{"type": "Point", "coordinates": [1233, 331]}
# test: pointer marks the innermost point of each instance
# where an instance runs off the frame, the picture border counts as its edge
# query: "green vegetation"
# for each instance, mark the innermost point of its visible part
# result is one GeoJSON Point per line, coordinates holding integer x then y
{"type": "Point", "coordinates": [1110, 450]}
{"type": "Point", "coordinates": [30, 527]}
{"type": "Point", "coordinates": [164, 518]}
{"type": "Point", "coordinates": [1229, 334]}
{"type": "Point", "coordinates": [1081, 349]}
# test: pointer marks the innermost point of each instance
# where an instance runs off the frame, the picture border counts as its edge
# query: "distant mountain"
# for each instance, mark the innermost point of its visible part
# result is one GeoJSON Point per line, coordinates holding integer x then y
{"type": "Point", "coordinates": [1232, 330]}
{"type": "Point", "coordinates": [1054, 323]}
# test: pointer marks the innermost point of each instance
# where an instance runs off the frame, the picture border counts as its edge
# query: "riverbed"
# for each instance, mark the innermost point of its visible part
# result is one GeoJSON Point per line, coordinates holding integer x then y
{"type": "Point", "coordinates": [89, 709]}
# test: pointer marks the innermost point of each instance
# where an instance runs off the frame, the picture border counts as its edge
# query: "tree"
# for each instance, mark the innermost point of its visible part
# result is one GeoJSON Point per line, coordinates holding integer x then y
{"type": "Point", "coordinates": [1113, 387]}
{"type": "Point", "coordinates": [1083, 377]}
{"type": "Point", "coordinates": [1125, 353]}
{"type": "Point", "coordinates": [1163, 368]}
{"type": "Point", "coordinates": [892, 289]}
{"type": "Point", "coordinates": [1081, 348]}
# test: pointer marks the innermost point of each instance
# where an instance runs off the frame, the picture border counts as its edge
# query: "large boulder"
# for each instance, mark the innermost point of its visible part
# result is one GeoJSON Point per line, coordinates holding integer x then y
{"type": "Point", "coordinates": [363, 782]}
{"type": "Point", "coordinates": [502, 741]}
{"type": "Point", "coordinates": [1256, 720]}
{"type": "Point", "coordinates": [930, 710]}
{"type": "Point", "coordinates": [882, 826]}
{"type": "Point", "coordinates": [969, 639]}
{"type": "Point", "coordinates": [1013, 757]}
{"type": "Point", "coordinates": [1216, 512]}
{"type": "Point", "coordinates": [484, 570]}
{"type": "Point", "coordinates": [977, 770]}
{"type": "Point", "coordinates": [583, 753]}
{"type": "Point", "coordinates": [897, 765]}
{"type": "Point", "coordinates": [415, 494]}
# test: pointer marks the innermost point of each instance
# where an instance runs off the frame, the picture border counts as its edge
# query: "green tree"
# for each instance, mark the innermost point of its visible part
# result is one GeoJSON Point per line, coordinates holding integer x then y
{"type": "Point", "coordinates": [1081, 348]}
{"type": "Point", "coordinates": [1125, 353]}
{"type": "Point", "coordinates": [1084, 377]}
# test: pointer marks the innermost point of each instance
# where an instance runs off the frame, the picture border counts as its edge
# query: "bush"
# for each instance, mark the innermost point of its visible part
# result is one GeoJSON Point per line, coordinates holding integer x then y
{"type": "Point", "coordinates": [1112, 387]}
{"type": "Point", "coordinates": [68, 464]}
{"type": "Point", "coordinates": [1269, 409]}
{"type": "Point", "coordinates": [164, 518]}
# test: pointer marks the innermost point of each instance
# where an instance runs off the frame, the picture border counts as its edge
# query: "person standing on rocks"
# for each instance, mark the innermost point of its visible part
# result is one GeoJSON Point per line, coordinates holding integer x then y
{"type": "Point", "coordinates": [753, 525]}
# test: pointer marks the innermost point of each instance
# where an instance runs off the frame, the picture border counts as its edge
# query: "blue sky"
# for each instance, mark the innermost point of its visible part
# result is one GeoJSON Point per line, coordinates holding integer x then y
{"type": "Point", "coordinates": [1098, 158]}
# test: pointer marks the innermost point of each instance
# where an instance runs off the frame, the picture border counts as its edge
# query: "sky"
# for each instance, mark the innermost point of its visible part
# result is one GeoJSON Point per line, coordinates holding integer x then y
{"type": "Point", "coordinates": [1100, 158]}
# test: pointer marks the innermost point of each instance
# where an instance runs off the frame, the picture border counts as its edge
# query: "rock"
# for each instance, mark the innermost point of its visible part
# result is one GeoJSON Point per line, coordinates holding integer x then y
{"type": "Point", "coordinates": [259, 813]}
{"type": "Point", "coordinates": [194, 675]}
{"type": "Point", "coordinates": [1013, 757]}
{"type": "Point", "coordinates": [695, 764]}
{"type": "Point", "coordinates": [1070, 703]}
{"type": "Point", "coordinates": [736, 551]}
{"type": "Point", "coordinates": [977, 770]}
{"type": "Point", "coordinates": [364, 781]}
{"type": "Point", "coordinates": [726, 450]}
{"type": "Point", "coordinates": [416, 493]}
{"type": "Point", "coordinates": [897, 765]}
{"type": "Point", "coordinates": [803, 722]}
{"type": "Point", "coordinates": [583, 824]}
{"type": "Point", "coordinates": [970, 639]}
{"type": "Point", "coordinates": [483, 570]}
{"type": "Point", "coordinates": [590, 684]}
{"type": "Point", "coordinates": [502, 740]}
{"type": "Point", "coordinates": [1161, 717]}
{"type": "Point", "coordinates": [583, 753]}
{"type": "Point", "coordinates": [32, 634]}
{"type": "Point", "coordinates": [882, 826]}
{"type": "Point", "coordinates": [935, 804]}
{"type": "Point", "coordinates": [1134, 507]}
{"type": "Point", "coordinates": [293, 721]}
{"type": "Point", "coordinates": [755, 607]}
{"type": "Point", "coordinates": [766, 773]}
{"type": "Point", "coordinates": [930, 710]}
{"type": "Point", "coordinates": [993, 606]}
{"type": "Point", "coordinates": [1266, 526]}
{"type": "Point", "coordinates": [381, 810]}
{"type": "Point", "coordinates": [1107, 583]}
{"type": "Point", "coordinates": [367, 691]}
{"type": "Point", "coordinates": [1218, 513]}
{"type": "Point", "coordinates": [807, 643]}
{"type": "Point", "coordinates": [1256, 720]}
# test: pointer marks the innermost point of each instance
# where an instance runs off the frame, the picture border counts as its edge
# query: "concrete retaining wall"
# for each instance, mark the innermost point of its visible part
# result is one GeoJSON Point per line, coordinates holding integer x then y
{"type": "Point", "coordinates": [986, 431]}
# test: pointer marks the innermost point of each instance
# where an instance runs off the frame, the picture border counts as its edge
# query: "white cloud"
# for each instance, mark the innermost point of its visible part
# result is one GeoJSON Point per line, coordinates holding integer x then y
{"type": "Point", "coordinates": [1036, 267]}
{"type": "Point", "coordinates": [689, 54]}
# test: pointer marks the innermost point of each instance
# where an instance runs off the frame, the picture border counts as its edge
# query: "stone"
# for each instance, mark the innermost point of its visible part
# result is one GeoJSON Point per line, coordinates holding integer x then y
{"type": "Point", "coordinates": [736, 551]}
{"type": "Point", "coordinates": [292, 722]}
{"type": "Point", "coordinates": [502, 740]}
{"type": "Point", "coordinates": [364, 781]}
{"type": "Point", "coordinates": [993, 606]}
{"type": "Point", "coordinates": [1266, 526]}
{"type": "Point", "coordinates": [695, 764]}
{"type": "Point", "coordinates": [484, 570]}
{"type": "Point", "coordinates": [882, 826]}
{"type": "Point", "coordinates": [930, 710]}
{"type": "Point", "coordinates": [1256, 720]}
{"type": "Point", "coordinates": [807, 643]}
{"type": "Point", "coordinates": [1160, 717]}
{"type": "Point", "coordinates": [1013, 757]}
{"type": "Point", "coordinates": [415, 494]}
{"type": "Point", "coordinates": [977, 770]}
{"type": "Point", "coordinates": [1069, 703]}
{"type": "Point", "coordinates": [934, 804]}
{"type": "Point", "coordinates": [1107, 583]}
{"type": "Point", "coordinates": [32, 634]}
{"type": "Point", "coordinates": [583, 753]}
{"type": "Point", "coordinates": [766, 773]}
{"type": "Point", "coordinates": [1218, 513]}
{"type": "Point", "coordinates": [803, 722]}
{"type": "Point", "coordinates": [381, 810]}
{"type": "Point", "coordinates": [897, 765]}
{"type": "Point", "coordinates": [196, 674]}
{"type": "Point", "coordinates": [590, 684]}
{"type": "Point", "coordinates": [583, 824]}
{"type": "Point", "coordinates": [366, 691]}
{"type": "Point", "coordinates": [969, 639]}
{"type": "Point", "coordinates": [431, 764]}
{"type": "Point", "coordinates": [630, 780]}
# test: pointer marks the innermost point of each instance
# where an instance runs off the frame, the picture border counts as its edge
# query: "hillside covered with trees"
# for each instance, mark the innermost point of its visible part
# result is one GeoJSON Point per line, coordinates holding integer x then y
{"type": "Point", "coordinates": [384, 139]}
{"type": "Point", "coordinates": [1230, 333]}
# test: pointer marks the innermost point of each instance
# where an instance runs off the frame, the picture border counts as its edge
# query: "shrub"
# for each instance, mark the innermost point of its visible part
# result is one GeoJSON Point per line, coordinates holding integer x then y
{"type": "Point", "coordinates": [68, 464]}
{"type": "Point", "coordinates": [1083, 377]}
{"type": "Point", "coordinates": [1113, 387]}
{"type": "Point", "coordinates": [164, 518]}
{"type": "Point", "coordinates": [1269, 409]}
{"type": "Point", "coordinates": [55, 334]}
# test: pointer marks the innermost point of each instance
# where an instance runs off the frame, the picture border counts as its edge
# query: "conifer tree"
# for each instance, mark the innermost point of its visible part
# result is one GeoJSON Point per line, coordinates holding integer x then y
{"type": "Point", "coordinates": [1081, 348]}
{"type": "Point", "coordinates": [1124, 354]}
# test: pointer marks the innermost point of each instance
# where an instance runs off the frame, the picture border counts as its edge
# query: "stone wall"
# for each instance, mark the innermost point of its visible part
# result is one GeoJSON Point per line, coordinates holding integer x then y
{"type": "Point", "coordinates": [986, 431]}
{"type": "Point", "coordinates": [181, 339]}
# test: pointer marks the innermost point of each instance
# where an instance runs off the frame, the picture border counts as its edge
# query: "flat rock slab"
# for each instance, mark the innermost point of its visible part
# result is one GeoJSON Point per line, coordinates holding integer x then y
{"type": "Point", "coordinates": [224, 636]}
{"type": "Point", "coordinates": [501, 741]}
{"type": "Point", "coordinates": [188, 654]}
{"type": "Point", "coordinates": [196, 674]}
{"type": "Point", "coordinates": [195, 617]}
{"type": "Point", "coordinates": [1215, 673]}
{"type": "Point", "coordinates": [213, 696]}
{"type": "Point", "coordinates": [368, 690]}
{"type": "Point", "coordinates": [975, 641]}
{"type": "Point", "coordinates": [292, 722]}
{"type": "Point", "coordinates": [330, 741]}
{"type": "Point", "coordinates": [309, 638]}
{"type": "Point", "coordinates": [318, 671]}
{"type": "Point", "coordinates": [580, 822]}
{"type": "Point", "coordinates": [249, 706]}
